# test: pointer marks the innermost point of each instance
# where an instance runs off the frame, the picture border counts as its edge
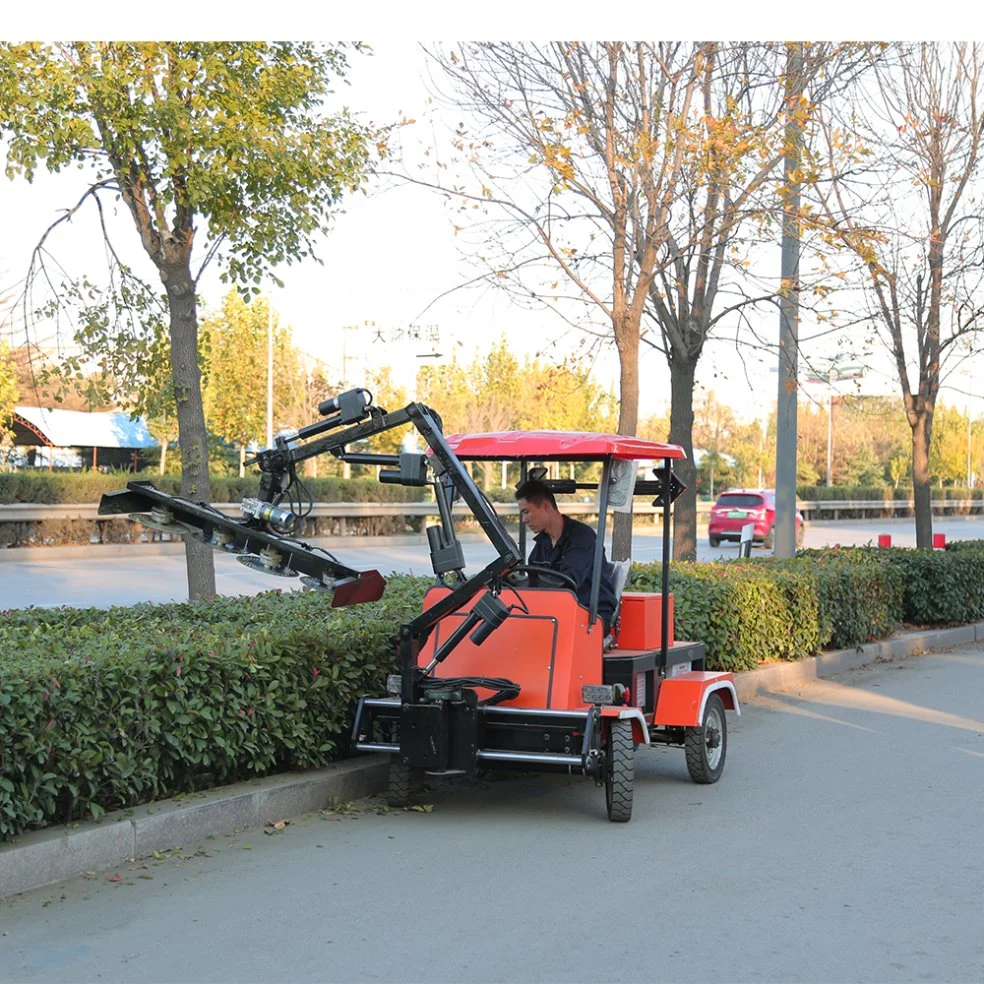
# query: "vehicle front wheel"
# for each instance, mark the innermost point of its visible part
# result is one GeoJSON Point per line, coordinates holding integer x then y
{"type": "Point", "coordinates": [707, 746]}
{"type": "Point", "coordinates": [619, 772]}
{"type": "Point", "coordinates": [398, 794]}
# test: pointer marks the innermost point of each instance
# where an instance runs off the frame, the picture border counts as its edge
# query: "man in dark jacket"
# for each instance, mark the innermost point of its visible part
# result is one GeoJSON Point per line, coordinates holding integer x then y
{"type": "Point", "coordinates": [566, 545]}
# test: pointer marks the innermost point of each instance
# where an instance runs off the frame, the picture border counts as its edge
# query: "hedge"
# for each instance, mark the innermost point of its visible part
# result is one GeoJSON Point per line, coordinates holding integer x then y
{"type": "Point", "coordinates": [824, 493]}
{"type": "Point", "coordinates": [75, 487]}
{"type": "Point", "coordinates": [103, 709]}
{"type": "Point", "coordinates": [750, 611]}
{"type": "Point", "coordinates": [938, 586]}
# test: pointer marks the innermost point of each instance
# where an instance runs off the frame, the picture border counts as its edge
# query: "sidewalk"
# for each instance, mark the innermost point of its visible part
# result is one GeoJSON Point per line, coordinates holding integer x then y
{"type": "Point", "coordinates": [47, 856]}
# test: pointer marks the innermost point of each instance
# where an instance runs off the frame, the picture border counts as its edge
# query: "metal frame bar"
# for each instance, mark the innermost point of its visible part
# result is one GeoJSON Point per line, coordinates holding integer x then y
{"type": "Point", "coordinates": [664, 642]}
{"type": "Point", "coordinates": [606, 471]}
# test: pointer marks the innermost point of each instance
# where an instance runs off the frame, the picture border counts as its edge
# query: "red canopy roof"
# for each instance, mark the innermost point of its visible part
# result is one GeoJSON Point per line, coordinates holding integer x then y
{"type": "Point", "coordinates": [558, 445]}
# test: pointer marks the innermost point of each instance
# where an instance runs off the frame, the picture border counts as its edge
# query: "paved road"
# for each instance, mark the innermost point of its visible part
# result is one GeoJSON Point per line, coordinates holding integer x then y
{"type": "Point", "coordinates": [88, 579]}
{"type": "Point", "coordinates": [842, 844]}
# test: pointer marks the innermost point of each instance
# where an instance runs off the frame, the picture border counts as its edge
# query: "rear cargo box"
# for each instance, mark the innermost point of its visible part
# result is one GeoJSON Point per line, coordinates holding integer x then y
{"type": "Point", "coordinates": [641, 621]}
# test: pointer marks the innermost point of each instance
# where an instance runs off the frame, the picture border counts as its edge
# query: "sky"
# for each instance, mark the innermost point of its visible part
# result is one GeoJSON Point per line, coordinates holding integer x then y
{"type": "Point", "coordinates": [391, 260]}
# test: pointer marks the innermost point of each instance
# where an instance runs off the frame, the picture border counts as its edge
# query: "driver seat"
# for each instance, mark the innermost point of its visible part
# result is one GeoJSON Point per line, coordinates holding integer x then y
{"type": "Point", "coordinates": [620, 575]}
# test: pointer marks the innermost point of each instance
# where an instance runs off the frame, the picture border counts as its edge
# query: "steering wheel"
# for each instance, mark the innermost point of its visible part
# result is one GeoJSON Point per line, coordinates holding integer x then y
{"type": "Point", "coordinates": [535, 569]}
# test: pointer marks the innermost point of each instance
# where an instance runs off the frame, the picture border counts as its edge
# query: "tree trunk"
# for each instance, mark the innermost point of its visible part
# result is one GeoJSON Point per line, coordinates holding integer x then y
{"type": "Point", "coordinates": [922, 430]}
{"type": "Point", "coordinates": [627, 343]}
{"type": "Point", "coordinates": [163, 456]}
{"type": "Point", "coordinates": [682, 433]}
{"type": "Point", "coordinates": [242, 460]}
{"type": "Point", "coordinates": [192, 435]}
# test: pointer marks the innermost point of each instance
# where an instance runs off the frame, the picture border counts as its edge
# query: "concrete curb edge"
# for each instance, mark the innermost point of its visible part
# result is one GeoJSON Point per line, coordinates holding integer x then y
{"type": "Point", "coordinates": [44, 857]}
{"type": "Point", "coordinates": [47, 856]}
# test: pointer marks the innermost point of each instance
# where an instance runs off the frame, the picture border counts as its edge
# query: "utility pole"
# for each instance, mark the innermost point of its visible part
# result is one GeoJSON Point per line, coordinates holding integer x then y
{"type": "Point", "coordinates": [785, 532]}
{"type": "Point", "coordinates": [269, 415]}
{"type": "Point", "coordinates": [830, 425]}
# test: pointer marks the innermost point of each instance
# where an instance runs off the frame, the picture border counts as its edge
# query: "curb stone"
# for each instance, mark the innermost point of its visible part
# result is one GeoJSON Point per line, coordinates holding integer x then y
{"type": "Point", "coordinates": [47, 856]}
{"type": "Point", "coordinates": [789, 676]}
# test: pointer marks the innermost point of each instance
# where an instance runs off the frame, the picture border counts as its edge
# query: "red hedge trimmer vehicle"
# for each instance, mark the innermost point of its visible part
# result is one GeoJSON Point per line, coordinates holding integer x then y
{"type": "Point", "coordinates": [527, 680]}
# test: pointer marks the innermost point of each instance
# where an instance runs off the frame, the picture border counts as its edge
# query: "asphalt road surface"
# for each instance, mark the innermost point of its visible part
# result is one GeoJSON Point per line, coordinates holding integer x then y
{"type": "Point", "coordinates": [842, 844]}
{"type": "Point", "coordinates": [86, 578]}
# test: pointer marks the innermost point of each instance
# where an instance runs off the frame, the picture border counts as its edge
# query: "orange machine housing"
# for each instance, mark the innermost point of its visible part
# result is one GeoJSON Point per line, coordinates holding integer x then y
{"type": "Point", "coordinates": [547, 649]}
{"type": "Point", "coordinates": [641, 621]}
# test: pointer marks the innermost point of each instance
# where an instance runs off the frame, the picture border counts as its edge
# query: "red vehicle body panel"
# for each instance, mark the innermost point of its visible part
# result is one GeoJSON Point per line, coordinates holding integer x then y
{"type": "Point", "coordinates": [560, 445]}
{"type": "Point", "coordinates": [680, 702]}
{"type": "Point", "coordinates": [547, 650]}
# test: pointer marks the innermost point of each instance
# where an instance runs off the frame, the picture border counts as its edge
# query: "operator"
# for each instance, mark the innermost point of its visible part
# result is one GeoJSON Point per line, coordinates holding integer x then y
{"type": "Point", "coordinates": [565, 545]}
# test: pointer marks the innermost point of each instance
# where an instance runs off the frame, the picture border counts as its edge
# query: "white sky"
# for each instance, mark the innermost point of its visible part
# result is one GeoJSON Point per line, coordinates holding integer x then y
{"type": "Point", "coordinates": [390, 255]}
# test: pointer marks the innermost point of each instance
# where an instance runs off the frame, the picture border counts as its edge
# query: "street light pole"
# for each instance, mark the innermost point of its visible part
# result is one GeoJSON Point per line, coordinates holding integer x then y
{"type": "Point", "coordinates": [785, 532]}
{"type": "Point", "coordinates": [830, 426]}
{"type": "Point", "coordinates": [269, 406]}
{"type": "Point", "coordinates": [969, 474]}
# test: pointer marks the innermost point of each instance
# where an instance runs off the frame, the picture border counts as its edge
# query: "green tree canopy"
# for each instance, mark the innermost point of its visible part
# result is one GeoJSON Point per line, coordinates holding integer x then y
{"type": "Point", "coordinates": [8, 395]}
{"type": "Point", "coordinates": [218, 150]}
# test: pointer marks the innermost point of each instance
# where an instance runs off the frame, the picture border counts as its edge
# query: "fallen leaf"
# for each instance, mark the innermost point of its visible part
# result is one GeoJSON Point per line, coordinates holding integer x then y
{"type": "Point", "coordinates": [113, 878]}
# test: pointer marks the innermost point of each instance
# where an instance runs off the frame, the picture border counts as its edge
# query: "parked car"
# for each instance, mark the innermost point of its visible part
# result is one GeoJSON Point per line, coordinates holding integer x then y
{"type": "Point", "coordinates": [736, 507]}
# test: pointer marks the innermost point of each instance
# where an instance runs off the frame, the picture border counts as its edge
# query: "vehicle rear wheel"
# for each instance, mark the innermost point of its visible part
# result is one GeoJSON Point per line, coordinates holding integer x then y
{"type": "Point", "coordinates": [769, 540]}
{"type": "Point", "coordinates": [707, 746]}
{"type": "Point", "coordinates": [714, 541]}
{"type": "Point", "coordinates": [619, 772]}
{"type": "Point", "coordinates": [398, 794]}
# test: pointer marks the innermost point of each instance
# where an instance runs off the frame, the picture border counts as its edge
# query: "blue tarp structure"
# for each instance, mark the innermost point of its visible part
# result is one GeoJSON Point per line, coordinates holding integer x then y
{"type": "Point", "coordinates": [38, 426]}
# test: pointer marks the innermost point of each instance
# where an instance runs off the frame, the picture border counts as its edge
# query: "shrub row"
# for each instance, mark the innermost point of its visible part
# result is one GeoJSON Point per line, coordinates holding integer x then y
{"type": "Point", "coordinates": [750, 611]}
{"type": "Point", "coordinates": [765, 609]}
{"type": "Point", "coordinates": [938, 586]}
{"type": "Point", "coordinates": [824, 493]}
{"type": "Point", "coordinates": [75, 487]}
{"type": "Point", "coordinates": [107, 709]}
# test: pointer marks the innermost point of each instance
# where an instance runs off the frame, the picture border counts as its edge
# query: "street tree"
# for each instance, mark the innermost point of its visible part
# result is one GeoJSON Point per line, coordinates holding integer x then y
{"type": "Point", "coordinates": [236, 391]}
{"type": "Point", "coordinates": [219, 152]}
{"type": "Point", "coordinates": [577, 154]}
{"type": "Point", "coordinates": [722, 209]}
{"type": "Point", "coordinates": [8, 399]}
{"type": "Point", "coordinates": [628, 176]}
{"type": "Point", "coordinates": [912, 221]}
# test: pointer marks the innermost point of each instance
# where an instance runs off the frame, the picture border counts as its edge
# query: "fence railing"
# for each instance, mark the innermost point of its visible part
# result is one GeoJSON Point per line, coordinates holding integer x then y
{"type": "Point", "coordinates": [823, 509]}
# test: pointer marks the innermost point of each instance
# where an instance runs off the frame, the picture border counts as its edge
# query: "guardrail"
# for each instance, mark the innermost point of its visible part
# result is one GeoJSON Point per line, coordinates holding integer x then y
{"type": "Point", "coordinates": [833, 509]}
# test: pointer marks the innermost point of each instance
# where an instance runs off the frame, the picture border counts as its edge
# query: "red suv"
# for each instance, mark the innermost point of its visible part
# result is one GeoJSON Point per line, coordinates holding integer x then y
{"type": "Point", "coordinates": [736, 507]}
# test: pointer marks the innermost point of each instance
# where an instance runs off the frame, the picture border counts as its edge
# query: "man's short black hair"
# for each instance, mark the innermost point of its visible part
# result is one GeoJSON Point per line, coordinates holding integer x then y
{"type": "Point", "coordinates": [536, 492]}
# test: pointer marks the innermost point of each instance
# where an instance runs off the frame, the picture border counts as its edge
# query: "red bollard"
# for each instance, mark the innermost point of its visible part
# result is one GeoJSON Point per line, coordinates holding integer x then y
{"type": "Point", "coordinates": [884, 540]}
{"type": "Point", "coordinates": [939, 541]}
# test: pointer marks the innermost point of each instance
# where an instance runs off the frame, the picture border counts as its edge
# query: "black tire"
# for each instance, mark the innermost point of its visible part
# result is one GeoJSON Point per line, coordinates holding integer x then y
{"type": "Point", "coordinates": [619, 772]}
{"type": "Point", "coordinates": [398, 794]}
{"type": "Point", "coordinates": [707, 746]}
{"type": "Point", "coordinates": [714, 541]}
{"type": "Point", "coordinates": [769, 540]}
